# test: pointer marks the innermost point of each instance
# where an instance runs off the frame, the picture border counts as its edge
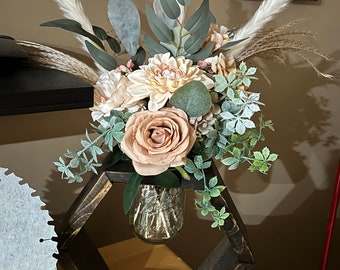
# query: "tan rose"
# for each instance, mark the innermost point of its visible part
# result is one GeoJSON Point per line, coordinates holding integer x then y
{"type": "Point", "coordinates": [158, 140]}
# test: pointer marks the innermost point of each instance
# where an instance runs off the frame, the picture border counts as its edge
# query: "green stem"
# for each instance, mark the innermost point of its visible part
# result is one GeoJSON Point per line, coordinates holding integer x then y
{"type": "Point", "coordinates": [204, 181]}
{"type": "Point", "coordinates": [93, 142]}
{"type": "Point", "coordinates": [183, 173]}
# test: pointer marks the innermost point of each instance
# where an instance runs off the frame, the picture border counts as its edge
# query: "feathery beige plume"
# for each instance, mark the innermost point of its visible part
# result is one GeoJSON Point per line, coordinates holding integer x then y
{"type": "Point", "coordinates": [265, 13]}
{"type": "Point", "coordinates": [48, 57]}
{"type": "Point", "coordinates": [73, 9]}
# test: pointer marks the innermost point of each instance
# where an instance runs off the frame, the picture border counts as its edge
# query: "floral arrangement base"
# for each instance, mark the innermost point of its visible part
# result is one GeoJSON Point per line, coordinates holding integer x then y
{"type": "Point", "coordinates": [232, 251]}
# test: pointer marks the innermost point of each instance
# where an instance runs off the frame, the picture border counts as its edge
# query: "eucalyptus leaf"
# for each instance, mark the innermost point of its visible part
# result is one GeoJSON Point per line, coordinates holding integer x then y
{"type": "Point", "coordinates": [113, 43]}
{"type": "Point", "coordinates": [101, 57]}
{"type": "Point", "coordinates": [171, 8]}
{"type": "Point", "coordinates": [194, 43]}
{"type": "Point", "coordinates": [101, 33]}
{"type": "Point", "coordinates": [130, 191]}
{"type": "Point", "coordinates": [193, 98]}
{"type": "Point", "coordinates": [202, 54]}
{"type": "Point", "coordinates": [212, 18]}
{"type": "Point", "coordinates": [125, 20]}
{"type": "Point", "coordinates": [161, 14]}
{"type": "Point", "coordinates": [139, 57]}
{"type": "Point", "coordinates": [158, 27]}
{"type": "Point", "coordinates": [232, 43]}
{"type": "Point", "coordinates": [176, 46]}
{"type": "Point", "coordinates": [171, 47]}
{"type": "Point", "coordinates": [75, 27]}
{"type": "Point", "coordinates": [199, 19]}
{"type": "Point", "coordinates": [184, 2]}
{"type": "Point", "coordinates": [153, 46]}
{"type": "Point", "coordinates": [167, 179]}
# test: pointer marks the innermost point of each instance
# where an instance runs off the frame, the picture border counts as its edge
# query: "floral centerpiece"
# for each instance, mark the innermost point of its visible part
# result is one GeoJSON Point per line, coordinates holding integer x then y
{"type": "Point", "coordinates": [184, 98]}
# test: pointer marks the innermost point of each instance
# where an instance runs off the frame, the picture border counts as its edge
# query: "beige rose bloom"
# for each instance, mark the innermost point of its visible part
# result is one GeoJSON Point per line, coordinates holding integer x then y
{"type": "Point", "coordinates": [110, 93]}
{"type": "Point", "coordinates": [162, 77]}
{"type": "Point", "coordinates": [158, 140]}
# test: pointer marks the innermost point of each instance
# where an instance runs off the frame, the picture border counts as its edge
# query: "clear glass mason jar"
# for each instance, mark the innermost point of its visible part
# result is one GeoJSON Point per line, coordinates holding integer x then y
{"type": "Point", "coordinates": [157, 213]}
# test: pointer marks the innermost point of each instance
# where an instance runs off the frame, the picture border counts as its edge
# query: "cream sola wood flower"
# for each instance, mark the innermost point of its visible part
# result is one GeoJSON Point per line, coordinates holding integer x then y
{"type": "Point", "coordinates": [110, 93]}
{"type": "Point", "coordinates": [162, 76]}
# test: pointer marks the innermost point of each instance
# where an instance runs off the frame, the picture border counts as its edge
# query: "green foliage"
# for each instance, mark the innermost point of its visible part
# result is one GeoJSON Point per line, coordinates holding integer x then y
{"type": "Point", "coordinates": [176, 46]}
{"type": "Point", "coordinates": [201, 54]}
{"type": "Point", "coordinates": [219, 216]}
{"type": "Point", "coordinates": [262, 160]}
{"type": "Point", "coordinates": [153, 46]}
{"type": "Point", "coordinates": [200, 20]}
{"type": "Point", "coordinates": [157, 26]}
{"type": "Point", "coordinates": [86, 159]}
{"type": "Point", "coordinates": [101, 57]}
{"type": "Point", "coordinates": [171, 8]}
{"type": "Point", "coordinates": [125, 20]}
{"type": "Point", "coordinates": [224, 48]}
{"type": "Point", "coordinates": [184, 2]}
{"type": "Point", "coordinates": [75, 27]}
{"type": "Point", "coordinates": [193, 98]}
{"type": "Point", "coordinates": [101, 33]}
{"type": "Point", "coordinates": [236, 149]}
{"type": "Point", "coordinates": [185, 40]}
{"type": "Point", "coordinates": [139, 57]}
{"type": "Point", "coordinates": [237, 106]}
{"type": "Point", "coordinates": [211, 190]}
{"type": "Point", "coordinates": [167, 179]}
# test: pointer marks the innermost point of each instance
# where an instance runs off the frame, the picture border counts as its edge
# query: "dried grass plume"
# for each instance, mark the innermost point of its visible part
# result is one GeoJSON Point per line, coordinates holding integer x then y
{"type": "Point", "coordinates": [52, 58]}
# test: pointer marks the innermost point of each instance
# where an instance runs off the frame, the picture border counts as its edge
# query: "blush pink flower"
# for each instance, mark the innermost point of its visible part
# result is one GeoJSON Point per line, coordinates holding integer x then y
{"type": "Point", "coordinates": [163, 75]}
{"type": "Point", "coordinates": [158, 140]}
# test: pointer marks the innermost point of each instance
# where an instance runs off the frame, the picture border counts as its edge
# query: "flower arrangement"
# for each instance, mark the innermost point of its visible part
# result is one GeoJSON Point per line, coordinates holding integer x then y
{"type": "Point", "coordinates": [184, 98]}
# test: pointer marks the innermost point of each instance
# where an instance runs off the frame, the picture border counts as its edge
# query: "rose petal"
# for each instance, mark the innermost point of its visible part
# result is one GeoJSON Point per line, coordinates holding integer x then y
{"type": "Point", "coordinates": [148, 169]}
{"type": "Point", "coordinates": [158, 140]}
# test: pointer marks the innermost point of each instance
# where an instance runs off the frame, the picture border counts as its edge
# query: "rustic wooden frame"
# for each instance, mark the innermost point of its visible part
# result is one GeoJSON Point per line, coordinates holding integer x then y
{"type": "Point", "coordinates": [233, 251]}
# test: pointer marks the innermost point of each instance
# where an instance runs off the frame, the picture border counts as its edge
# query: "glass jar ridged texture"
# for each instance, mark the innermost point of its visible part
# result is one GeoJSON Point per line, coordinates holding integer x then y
{"type": "Point", "coordinates": [157, 213]}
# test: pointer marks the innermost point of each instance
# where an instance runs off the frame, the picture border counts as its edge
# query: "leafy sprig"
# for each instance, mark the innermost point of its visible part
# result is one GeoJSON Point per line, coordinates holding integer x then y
{"type": "Point", "coordinates": [235, 134]}
{"type": "Point", "coordinates": [110, 132]}
{"type": "Point", "coordinates": [210, 190]}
